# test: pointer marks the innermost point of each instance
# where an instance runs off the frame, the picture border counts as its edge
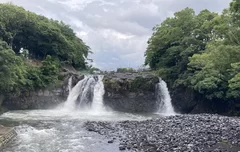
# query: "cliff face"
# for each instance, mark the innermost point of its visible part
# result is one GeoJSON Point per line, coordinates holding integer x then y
{"type": "Point", "coordinates": [130, 92]}
{"type": "Point", "coordinates": [186, 100]}
{"type": "Point", "coordinates": [42, 99]}
{"type": "Point", "coordinates": [2, 110]}
{"type": "Point", "coordinates": [126, 92]}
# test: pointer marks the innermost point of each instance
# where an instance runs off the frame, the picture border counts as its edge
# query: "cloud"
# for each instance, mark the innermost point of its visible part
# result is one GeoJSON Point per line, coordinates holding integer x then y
{"type": "Point", "coordinates": [116, 30]}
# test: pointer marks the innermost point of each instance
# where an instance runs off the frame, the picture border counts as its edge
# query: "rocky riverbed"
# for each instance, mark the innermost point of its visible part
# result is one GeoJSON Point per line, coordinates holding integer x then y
{"type": "Point", "coordinates": [189, 133]}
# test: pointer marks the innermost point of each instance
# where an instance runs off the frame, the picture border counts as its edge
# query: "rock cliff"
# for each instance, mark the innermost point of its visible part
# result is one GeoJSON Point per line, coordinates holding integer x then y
{"type": "Point", "coordinates": [43, 99]}
{"type": "Point", "coordinates": [130, 92]}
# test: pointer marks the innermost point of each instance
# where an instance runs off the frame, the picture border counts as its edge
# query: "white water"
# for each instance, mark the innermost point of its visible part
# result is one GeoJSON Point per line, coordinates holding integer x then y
{"type": "Point", "coordinates": [73, 95]}
{"type": "Point", "coordinates": [60, 131]}
{"type": "Point", "coordinates": [78, 94]}
{"type": "Point", "coordinates": [97, 104]}
{"type": "Point", "coordinates": [87, 92]}
{"type": "Point", "coordinates": [164, 99]}
{"type": "Point", "coordinates": [70, 84]}
{"type": "Point", "coordinates": [86, 95]}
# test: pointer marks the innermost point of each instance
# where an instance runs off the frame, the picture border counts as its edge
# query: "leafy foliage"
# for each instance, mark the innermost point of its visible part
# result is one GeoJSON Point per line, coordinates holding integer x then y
{"type": "Point", "coordinates": [41, 36]}
{"type": "Point", "coordinates": [125, 70]}
{"type": "Point", "coordinates": [176, 39]}
{"type": "Point", "coordinates": [17, 76]}
{"type": "Point", "coordinates": [199, 51]}
{"type": "Point", "coordinates": [212, 69]}
{"type": "Point", "coordinates": [25, 38]}
{"type": "Point", "coordinates": [12, 70]}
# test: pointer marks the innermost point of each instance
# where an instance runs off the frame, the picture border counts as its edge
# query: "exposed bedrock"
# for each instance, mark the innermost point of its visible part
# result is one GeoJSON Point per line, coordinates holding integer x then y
{"type": "Point", "coordinates": [186, 100]}
{"type": "Point", "coordinates": [131, 92]}
{"type": "Point", "coordinates": [45, 98]}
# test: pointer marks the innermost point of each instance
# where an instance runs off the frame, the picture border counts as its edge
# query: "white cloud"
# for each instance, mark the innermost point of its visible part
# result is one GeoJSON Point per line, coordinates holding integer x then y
{"type": "Point", "coordinates": [75, 4]}
{"type": "Point", "coordinates": [116, 30]}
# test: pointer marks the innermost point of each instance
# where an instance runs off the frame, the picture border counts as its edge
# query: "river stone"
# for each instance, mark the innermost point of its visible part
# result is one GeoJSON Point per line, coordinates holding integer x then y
{"type": "Point", "coordinates": [198, 133]}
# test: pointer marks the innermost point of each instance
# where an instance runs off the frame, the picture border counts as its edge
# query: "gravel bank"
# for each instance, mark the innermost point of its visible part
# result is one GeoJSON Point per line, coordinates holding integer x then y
{"type": "Point", "coordinates": [188, 133]}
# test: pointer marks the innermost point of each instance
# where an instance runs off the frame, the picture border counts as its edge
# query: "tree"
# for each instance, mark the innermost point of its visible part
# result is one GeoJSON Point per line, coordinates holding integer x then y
{"type": "Point", "coordinates": [213, 70]}
{"type": "Point", "coordinates": [49, 70]}
{"type": "Point", "coordinates": [215, 73]}
{"type": "Point", "coordinates": [41, 36]}
{"type": "Point", "coordinates": [26, 37]}
{"type": "Point", "coordinates": [176, 39]}
{"type": "Point", "coordinates": [199, 51]}
{"type": "Point", "coordinates": [12, 70]}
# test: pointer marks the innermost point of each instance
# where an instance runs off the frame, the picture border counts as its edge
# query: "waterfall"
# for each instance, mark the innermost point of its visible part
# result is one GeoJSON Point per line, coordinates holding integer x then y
{"type": "Point", "coordinates": [86, 96]}
{"type": "Point", "coordinates": [164, 99]}
{"type": "Point", "coordinates": [97, 104]}
{"type": "Point", "coordinates": [87, 93]}
{"type": "Point", "coordinates": [70, 84]}
{"type": "Point", "coordinates": [74, 94]}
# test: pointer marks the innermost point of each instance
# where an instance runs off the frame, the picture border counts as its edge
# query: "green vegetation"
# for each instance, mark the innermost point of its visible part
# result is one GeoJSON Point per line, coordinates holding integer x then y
{"type": "Point", "coordinates": [41, 36]}
{"type": "Point", "coordinates": [145, 84]}
{"type": "Point", "coordinates": [125, 70]}
{"type": "Point", "coordinates": [200, 51]}
{"type": "Point", "coordinates": [134, 85]}
{"type": "Point", "coordinates": [32, 50]}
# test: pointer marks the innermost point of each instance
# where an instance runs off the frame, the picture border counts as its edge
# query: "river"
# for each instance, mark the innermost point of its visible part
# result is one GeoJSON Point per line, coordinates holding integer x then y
{"type": "Point", "coordinates": [60, 130]}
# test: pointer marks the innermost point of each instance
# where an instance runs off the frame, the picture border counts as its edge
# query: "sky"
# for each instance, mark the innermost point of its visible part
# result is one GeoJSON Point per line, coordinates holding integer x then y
{"type": "Point", "coordinates": [116, 30]}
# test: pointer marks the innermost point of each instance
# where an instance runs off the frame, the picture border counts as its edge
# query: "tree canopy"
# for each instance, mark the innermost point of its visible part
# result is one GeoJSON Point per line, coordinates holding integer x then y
{"type": "Point", "coordinates": [41, 36]}
{"type": "Point", "coordinates": [32, 50]}
{"type": "Point", "coordinates": [200, 51]}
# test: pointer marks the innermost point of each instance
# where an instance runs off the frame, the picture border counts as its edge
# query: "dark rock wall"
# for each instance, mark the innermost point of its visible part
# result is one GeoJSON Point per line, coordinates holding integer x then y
{"type": "Point", "coordinates": [42, 99]}
{"type": "Point", "coordinates": [185, 100]}
{"type": "Point", "coordinates": [2, 109]}
{"type": "Point", "coordinates": [130, 92]}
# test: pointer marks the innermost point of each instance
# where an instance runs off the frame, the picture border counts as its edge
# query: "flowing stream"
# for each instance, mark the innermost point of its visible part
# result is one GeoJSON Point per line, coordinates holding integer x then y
{"type": "Point", "coordinates": [62, 129]}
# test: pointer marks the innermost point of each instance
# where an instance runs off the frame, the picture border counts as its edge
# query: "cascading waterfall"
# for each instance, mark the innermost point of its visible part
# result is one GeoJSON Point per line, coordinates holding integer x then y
{"type": "Point", "coordinates": [74, 94]}
{"type": "Point", "coordinates": [70, 84]}
{"type": "Point", "coordinates": [86, 93]}
{"type": "Point", "coordinates": [97, 104]}
{"type": "Point", "coordinates": [164, 99]}
{"type": "Point", "coordinates": [86, 96]}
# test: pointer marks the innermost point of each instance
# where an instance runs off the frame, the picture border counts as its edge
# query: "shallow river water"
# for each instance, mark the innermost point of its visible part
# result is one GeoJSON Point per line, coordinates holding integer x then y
{"type": "Point", "coordinates": [60, 130]}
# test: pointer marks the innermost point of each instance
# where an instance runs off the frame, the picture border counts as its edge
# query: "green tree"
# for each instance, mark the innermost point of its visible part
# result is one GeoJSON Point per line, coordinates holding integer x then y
{"type": "Point", "coordinates": [234, 82]}
{"type": "Point", "coordinates": [176, 39]}
{"type": "Point", "coordinates": [41, 36]}
{"type": "Point", "coordinates": [12, 70]}
{"type": "Point", "coordinates": [212, 70]}
{"type": "Point", "coordinates": [49, 70]}
{"type": "Point", "coordinates": [215, 73]}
